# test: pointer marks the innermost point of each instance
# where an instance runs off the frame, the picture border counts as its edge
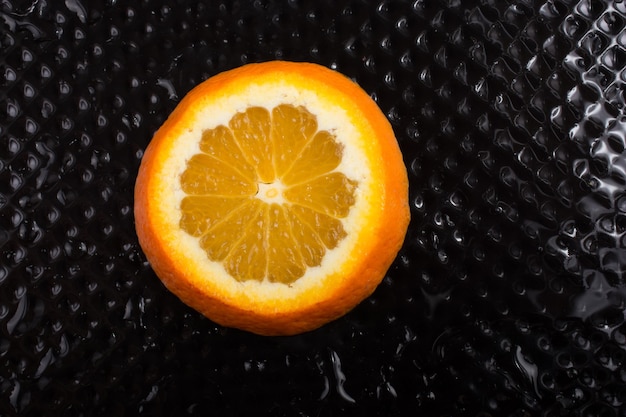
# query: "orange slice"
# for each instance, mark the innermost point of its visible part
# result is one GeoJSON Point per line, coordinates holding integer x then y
{"type": "Point", "coordinates": [274, 198]}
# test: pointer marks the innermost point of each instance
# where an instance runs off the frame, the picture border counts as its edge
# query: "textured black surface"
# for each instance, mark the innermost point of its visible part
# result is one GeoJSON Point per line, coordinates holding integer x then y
{"type": "Point", "coordinates": [507, 299]}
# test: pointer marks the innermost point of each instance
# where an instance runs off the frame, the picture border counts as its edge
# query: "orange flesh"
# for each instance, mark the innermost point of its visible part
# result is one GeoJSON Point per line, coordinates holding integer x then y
{"type": "Point", "coordinates": [263, 196]}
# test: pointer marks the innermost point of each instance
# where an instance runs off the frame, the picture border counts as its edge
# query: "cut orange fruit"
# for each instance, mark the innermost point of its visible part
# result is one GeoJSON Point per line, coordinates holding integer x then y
{"type": "Point", "coordinates": [274, 198]}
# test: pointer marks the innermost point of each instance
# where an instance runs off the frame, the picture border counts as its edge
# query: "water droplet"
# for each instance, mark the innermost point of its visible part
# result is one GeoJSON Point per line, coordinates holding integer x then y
{"type": "Point", "coordinates": [614, 58]}
{"type": "Point", "coordinates": [29, 91]}
{"type": "Point", "coordinates": [30, 127]}
{"type": "Point", "coordinates": [12, 109]}
{"type": "Point", "coordinates": [9, 75]}
{"type": "Point", "coordinates": [590, 8]}
{"type": "Point", "coordinates": [169, 87]}
{"type": "Point", "coordinates": [64, 88]}
{"type": "Point", "coordinates": [610, 23]}
{"type": "Point", "coordinates": [76, 7]}
{"type": "Point", "coordinates": [340, 377]}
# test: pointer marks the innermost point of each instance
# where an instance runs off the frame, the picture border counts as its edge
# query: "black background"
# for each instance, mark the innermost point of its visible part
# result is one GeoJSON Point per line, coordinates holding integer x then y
{"type": "Point", "coordinates": [507, 298]}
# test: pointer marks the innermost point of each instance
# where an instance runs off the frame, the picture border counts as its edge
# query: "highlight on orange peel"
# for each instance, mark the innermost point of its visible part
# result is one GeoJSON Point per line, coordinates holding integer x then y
{"type": "Point", "coordinates": [274, 198]}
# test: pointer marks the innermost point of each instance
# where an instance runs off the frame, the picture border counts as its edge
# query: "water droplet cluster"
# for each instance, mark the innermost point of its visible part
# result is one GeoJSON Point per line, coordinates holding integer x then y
{"type": "Point", "coordinates": [507, 298]}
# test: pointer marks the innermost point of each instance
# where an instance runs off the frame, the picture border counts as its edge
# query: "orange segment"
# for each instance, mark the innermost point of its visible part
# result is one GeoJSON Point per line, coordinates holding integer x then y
{"type": "Point", "coordinates": [312, 248]}
{"type": "Point", "coordinates": [200, 213]}
{"type": "Point", "coordinates": [332, 194]}
{"type": "Point", "coordinates": [321, 155]}
{"type": "Point", "coordinates": [222, 238]}
{"type": "Point", "coordinates": [292, 128]}
{"type": "Point", "coordinates": [220, 143]}
{"type": "Point", "coordinates": [207, 175]}
{"type": "Point", "coordinates": [247, 259]}
{"type": "Point", "coordinates": [274, 198]}
{"type": "Point", "coordinates": [285, 262]}
{"type": "Point", "coordinates": [327, 228]}
{"type": "Point", "coordinates": [251, 129]}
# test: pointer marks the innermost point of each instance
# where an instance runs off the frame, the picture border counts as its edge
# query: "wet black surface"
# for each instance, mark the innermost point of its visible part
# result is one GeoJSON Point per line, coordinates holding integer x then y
{"type": "Point", "coordinates": [507, 299]}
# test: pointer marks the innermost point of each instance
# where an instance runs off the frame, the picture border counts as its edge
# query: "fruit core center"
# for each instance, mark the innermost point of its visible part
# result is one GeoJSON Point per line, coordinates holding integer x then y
{"type": "Point", "coordinates": [270, 192]}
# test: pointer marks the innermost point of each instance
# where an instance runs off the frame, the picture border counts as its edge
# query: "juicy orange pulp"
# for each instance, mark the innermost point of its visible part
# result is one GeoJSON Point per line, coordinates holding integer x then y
{"type": "Point", "coordinates": [291, 163]}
